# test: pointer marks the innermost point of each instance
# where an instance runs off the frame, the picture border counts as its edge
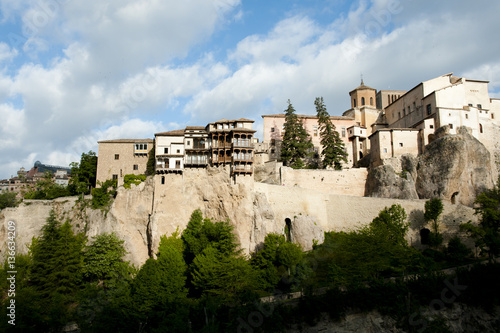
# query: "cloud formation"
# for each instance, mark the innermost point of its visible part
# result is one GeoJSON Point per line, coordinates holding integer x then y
{"type": "Point", "coordinates": [73, 73]}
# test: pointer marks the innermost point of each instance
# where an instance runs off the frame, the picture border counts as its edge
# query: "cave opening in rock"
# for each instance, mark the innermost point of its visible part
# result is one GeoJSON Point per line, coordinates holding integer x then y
{"type": "Point", "coordinates": [424, 236]}
{"type": "Point", "coordinates": [288, 229]}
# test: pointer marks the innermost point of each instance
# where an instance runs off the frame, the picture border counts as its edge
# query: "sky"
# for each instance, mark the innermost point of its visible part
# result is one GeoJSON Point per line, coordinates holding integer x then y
{"type": "Point", "coordinates": [75, 72]}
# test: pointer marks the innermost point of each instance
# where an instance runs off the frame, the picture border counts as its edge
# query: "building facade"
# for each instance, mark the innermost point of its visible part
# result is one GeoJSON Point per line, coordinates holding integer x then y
{"type": "Point", "coordinates": [117, 158]}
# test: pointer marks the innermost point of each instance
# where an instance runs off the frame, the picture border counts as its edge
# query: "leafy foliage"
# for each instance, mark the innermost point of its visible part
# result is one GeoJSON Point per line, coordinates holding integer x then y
{"type": "Point", "coordinates": [487, 233]}
{"type": "Point", "coordinates": [130, 179]}
{"type": "Point", "coordinates": [433, 209]}
{"type": "Point", "coordinates": [83, 174]}
{"type": "Point", "coordinates": [333, 152]}
{"type": "Point", "coordinates": [7, 199]}
{"type": "Point", "coordinates": [102, 259]}
{"type": "Point", "coordinates": [102, 196]}
{"type": "Point", "coordinates": [150, 166]}
{"type": "Point", "coordinates": [296, 141]}
{"type": "Point", "coordinates": [47, 189]}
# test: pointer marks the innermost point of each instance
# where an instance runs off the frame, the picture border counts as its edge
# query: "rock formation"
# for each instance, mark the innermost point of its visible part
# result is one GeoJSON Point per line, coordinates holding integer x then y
{"type": "Point", "coordinates": [453, 167]}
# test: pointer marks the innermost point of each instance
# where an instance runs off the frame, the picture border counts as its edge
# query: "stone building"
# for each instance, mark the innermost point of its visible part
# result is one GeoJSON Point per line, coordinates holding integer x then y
{"type": "Point", "coordinates": [117, 158]}
{"type": "Point", "coordinates": [231, 143]}
{"type": "Point", "coordinates": [443, 101]}
{"type": "Point", "coordinates": [274, 125]}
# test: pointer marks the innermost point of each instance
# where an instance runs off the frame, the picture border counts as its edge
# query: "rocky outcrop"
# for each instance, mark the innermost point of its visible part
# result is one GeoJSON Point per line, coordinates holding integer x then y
{"type": "Point", "coordinates": [306, 230]}
{"type": "Point", "coordinates": [458, 318]}
{"type": "Point", "coordinates": [385, 182]}
{"type": "Point", "coordinates": [455, 168]}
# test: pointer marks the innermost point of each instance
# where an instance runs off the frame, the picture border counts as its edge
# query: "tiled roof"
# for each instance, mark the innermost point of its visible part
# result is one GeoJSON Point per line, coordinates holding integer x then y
{"type": "Point", "coordinates": [233, 120]}
{"type": "Point", "coordinates": [282, 115]}
{"type": "Point", "coordinates": [179, 132]}
{"type": "Point", "coordinates": [127, 141]}
{"type": "Point", "coordinates": [195, 127]}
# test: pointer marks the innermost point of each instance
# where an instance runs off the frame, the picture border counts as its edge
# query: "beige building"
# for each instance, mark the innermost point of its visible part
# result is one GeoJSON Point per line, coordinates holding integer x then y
{"type": "Point", "coordinates": [446, 100]}
{"type": "Point", "coordinates": [169, 151]}
{"type": "Point", "coordinates": [231, 143]}
{"type": "Point", "coordinates": [117, 158]}
{"type": "Point", "coordinates": [394, 142]}
{"type": "Point", "coordinates": [274, 125]}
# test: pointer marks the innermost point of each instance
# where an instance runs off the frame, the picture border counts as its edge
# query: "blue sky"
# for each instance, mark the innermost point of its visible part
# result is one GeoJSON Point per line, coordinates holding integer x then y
{"type": "Point", "coordinates": [74, 72]}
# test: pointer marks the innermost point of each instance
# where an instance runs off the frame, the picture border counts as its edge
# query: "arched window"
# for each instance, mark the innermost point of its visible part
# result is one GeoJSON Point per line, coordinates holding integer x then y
{"type": "Point", "coordinates": [362, 101]}
{"type": "Point", "coordinates": [371, 100]}
{"type": "Point", "coordinates": [354, 103]}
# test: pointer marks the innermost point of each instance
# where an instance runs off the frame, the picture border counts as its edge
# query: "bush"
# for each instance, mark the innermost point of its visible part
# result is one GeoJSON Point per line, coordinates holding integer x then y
{"type": "Point", "coordinates": [7, 199]}
{"type": "Point", "coordinates": [457, 251]}
{"type": "Point", "coordinates": [133, 179]}
{"type": "Point", "coordinates": [101, 197]}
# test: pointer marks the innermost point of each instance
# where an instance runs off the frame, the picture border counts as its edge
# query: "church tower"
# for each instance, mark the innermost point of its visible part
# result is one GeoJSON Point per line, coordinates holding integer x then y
{"type": "Point", "coordinates": [363, 96]}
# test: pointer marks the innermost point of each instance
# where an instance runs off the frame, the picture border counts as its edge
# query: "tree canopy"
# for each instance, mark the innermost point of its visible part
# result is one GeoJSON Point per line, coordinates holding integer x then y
{"type": "Point", "coordinates": [296, 142]}
{"type": "Point", "coordinates": [333, 152]}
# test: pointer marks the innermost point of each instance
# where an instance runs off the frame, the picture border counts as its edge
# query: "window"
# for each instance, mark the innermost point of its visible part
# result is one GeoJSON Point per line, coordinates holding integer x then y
{"type": "Point", "coordinates": [385, 150]}
{"type": "Point", "coordinates": [466, 116]}
{"type": "Point", "coordinates": [117, 156]}
{"type": "Point", "coordinates": [354, 103]}
{"type": "Point", "coordinates": [177, 164]}
{"type": "Point", "coordinates": [136, 167]}
{"type": "Point", "coordinates": [451, 126]}
{"type": "Point", "coordinates": [360, 146]}
{"type": "Point", "coordinates": [188, 143]}
{"type": "Point", "coordinates": [362, 101]}
{"type": "Point", "coordinates": [240, 125]}
{"type": "Point", "coordinates": [404, 112]}
{"type": "Point", "coordinates": [343, 132]}
{"type": "Point", "coordinates": [470, 104]}
{"type": "Point", "coordinates": [480, 128]}
{"type": "Point", "coordinates": [399, 115]}
{"type": "Point", "coordinates": [492, 116]}
{"type": "Point", "coordinates": [401, 144]}
{"type": "Point", "coordinates": [429, 109]}
{"type": "Point", "coordinates": [178, 151]}
{"type": "Point", "coordinates": [115, 177]}
{"type": "Point", "coordinates": [162, 180]}
{"type": "Point", "coordinates": [165, 150]}
{"type": "Point", "coordinates": [479, 106]}
{"type": "Point", "coordinates": [371, 100]}
{"type": "Point", "coordinates": [315, 130]}
{"type": "Point", "coordinates": [272, 129]}
{"type": "Point", "coordinates": [414, 106]}
{"type": "Point", "coordinates": [431, 126]}
{"type": "Point", "coordinates": [409, 109]}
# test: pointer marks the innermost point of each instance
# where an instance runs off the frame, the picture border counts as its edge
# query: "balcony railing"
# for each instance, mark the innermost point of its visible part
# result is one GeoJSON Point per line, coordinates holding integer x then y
{"type": "Point", "coordinates": [245, 143]}
{"type": "Point", "coordinates": [196, 160]}
{"type": "Point", "coordinates": [242, 157]}
{"type": "Point", "coordinates": [242, 168]}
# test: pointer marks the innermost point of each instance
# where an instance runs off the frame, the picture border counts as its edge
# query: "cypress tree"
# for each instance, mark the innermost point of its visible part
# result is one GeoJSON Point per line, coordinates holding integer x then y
{"type": "Point", "coordinates": [333, 152]}
{"type": "Point", "coordinates": [296, 141]}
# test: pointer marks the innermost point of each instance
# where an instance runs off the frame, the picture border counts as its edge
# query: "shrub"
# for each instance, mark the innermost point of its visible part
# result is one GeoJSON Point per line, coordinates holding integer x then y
{"type": "Point", "coordinates": [133, 179]}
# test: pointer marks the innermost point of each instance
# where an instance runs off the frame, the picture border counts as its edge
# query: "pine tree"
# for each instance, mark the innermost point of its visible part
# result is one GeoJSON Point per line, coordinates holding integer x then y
{"type": "Point", "coordinates": [333, 152]}
{"type": "Point", "coordinates": [296, 141]}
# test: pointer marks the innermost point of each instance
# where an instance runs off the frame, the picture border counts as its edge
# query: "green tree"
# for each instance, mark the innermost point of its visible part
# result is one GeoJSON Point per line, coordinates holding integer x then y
{"type": "Point", "coordinates": [57, 259]}
{"type": "Point", "coordinates": [103, 260]}
{"type": "Point", "coordinates": [333, 152]}
{"type": "Point", "coordinates": [279, 263]}
{"type": "Point", "coordinates": [296, 142]}
{"type": "Point", "coordinates": [391, 225]}
{"type": "Point", "coordinates": [7, 199]}
{"type": "Point", "coordinates": [487, 233]}
{"type": "Point", "coordinates": [150, 166]}
{"type": "Point", "coordinates": [102, 196]}
{"type": "Point", "coordinates": [433, 209]}
{"type": "Point", "coordinates": [83, 174]}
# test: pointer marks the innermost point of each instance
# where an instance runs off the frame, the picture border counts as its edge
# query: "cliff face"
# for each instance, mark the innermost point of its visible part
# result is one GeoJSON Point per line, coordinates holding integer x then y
{"type": "Point", "coordinates": [453, 167]}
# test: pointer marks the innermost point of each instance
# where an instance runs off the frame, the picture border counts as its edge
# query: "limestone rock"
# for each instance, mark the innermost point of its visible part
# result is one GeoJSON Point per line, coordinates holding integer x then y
{"type": "Point", "coordinates": [384, 182]}
{"type": "Point", "coordinates": [305, 230]}
{"type": "Point", "coordinates": [454, 167]}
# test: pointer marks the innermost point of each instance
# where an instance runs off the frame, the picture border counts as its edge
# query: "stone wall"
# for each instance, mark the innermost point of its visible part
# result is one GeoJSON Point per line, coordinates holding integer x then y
{"type": "Point", "coordinates": [346, 181]}
{"type": "Point", "coordinates": [142, 214]}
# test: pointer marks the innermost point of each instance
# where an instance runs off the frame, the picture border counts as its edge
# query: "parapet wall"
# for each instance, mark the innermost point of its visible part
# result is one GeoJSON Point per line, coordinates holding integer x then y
{"type": "Point", "coordinates": [345, 182]}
